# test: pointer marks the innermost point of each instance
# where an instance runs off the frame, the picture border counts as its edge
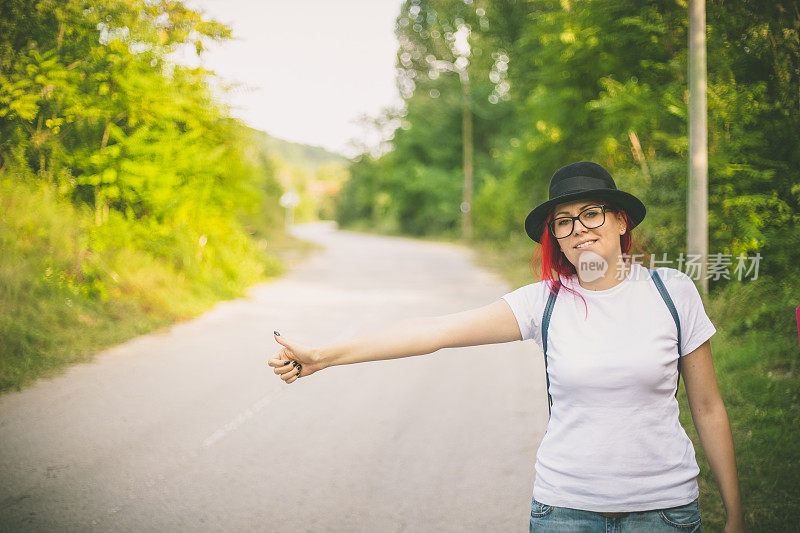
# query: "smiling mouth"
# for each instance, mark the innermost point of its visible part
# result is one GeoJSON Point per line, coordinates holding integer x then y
{"type": "Point", "coordinates": [586, 244]}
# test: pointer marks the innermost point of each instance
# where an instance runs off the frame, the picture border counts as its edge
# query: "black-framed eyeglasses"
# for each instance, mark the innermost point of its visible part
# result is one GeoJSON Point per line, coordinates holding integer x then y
{"type": "Point", "coordinates": [592, 217]}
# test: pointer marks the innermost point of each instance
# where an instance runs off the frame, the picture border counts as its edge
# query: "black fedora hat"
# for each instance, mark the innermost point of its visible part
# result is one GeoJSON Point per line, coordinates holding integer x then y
{"type": "Point", "coordinates": [582, 180]}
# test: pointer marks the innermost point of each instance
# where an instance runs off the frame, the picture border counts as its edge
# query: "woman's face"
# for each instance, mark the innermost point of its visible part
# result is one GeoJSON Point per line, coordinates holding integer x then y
{"type": "Point", "coordinates": [602, 240]}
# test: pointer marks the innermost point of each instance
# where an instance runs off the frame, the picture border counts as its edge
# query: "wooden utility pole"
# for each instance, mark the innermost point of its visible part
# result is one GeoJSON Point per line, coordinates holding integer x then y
{"type": "Point", "coordinates": [459, 65]}
{"type": "Point", "coordinates": [697, 202]}
{"type": "Point", "coordinates": [466, 204]}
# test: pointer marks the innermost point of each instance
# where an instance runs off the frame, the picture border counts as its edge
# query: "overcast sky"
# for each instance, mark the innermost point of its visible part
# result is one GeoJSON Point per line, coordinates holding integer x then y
{"type": "Point", "coordinates": [309, 68]}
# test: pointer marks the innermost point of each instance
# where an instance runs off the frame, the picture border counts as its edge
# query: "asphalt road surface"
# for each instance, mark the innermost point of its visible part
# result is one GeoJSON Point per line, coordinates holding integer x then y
{"type": "Point", "coordinates": [189, 428]}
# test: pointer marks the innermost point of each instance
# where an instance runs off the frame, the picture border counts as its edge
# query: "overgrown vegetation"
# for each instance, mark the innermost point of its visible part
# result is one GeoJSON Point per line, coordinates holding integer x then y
{"type": "Point", "coordinates": [128, 196]}
{"type": "Point", "coordinates": [554, 82]}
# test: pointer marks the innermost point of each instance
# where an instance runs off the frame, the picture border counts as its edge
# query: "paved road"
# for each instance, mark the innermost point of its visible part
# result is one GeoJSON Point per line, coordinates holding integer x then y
{"type": "Point", "coordinates": [189, 429]}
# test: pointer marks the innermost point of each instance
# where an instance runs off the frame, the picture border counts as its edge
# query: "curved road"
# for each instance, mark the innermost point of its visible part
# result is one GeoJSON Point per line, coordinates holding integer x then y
{"type": "Point", "coordinates": [189, 429]}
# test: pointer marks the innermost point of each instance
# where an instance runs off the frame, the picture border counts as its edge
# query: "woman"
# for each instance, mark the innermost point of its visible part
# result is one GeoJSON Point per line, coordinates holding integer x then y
{"type": "Point", "coordinates": [614, 456]}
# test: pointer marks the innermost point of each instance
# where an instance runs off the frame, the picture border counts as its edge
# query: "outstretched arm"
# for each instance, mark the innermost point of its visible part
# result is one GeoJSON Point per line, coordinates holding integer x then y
{"type": "Point", "coordinates": [714, 430]}
{"type": "Point", "coordinates": [490, 324]}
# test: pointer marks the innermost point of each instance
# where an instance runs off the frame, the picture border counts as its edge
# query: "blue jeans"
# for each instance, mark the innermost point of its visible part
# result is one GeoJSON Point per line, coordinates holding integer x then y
{"type": "Point", "coordinates": [685, 518]}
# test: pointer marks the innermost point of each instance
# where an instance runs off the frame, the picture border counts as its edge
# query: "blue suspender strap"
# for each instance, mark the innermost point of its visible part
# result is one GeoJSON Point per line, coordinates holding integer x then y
{"type": "Point", "coordinates": [548, 310]}
{"type": "Point", "coordinates": [667, 300]}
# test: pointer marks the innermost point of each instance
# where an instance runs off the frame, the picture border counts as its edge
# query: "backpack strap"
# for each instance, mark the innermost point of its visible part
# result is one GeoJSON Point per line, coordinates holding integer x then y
{"type": "Point", "coordinates": [662, 290]}
{"type": "Point", "coordinates": [548, 311]}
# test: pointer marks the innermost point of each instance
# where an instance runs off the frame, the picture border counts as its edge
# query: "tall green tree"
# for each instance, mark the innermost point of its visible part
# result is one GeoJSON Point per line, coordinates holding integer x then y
{"type": "Point", "coordinates": [605, 80]}
{"type": "Point", "coordinates": [91, 101]}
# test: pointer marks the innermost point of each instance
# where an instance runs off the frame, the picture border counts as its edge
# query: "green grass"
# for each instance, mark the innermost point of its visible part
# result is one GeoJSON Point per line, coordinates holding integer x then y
{"type": "Point", "coordinates": [762, 396]}
{"type": "Point", "coordinates": [69, 289]}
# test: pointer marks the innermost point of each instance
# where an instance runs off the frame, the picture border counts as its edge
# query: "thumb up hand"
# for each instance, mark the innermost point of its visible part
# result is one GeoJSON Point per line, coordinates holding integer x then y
{"type": "Point", "coordinates": [294, 360]}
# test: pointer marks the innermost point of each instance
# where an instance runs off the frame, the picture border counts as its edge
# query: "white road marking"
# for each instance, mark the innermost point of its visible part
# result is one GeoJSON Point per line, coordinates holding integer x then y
{"type": "Point", "coordinates": [249, 412]}
{"type": "Point", "coordinates": [241, 418]}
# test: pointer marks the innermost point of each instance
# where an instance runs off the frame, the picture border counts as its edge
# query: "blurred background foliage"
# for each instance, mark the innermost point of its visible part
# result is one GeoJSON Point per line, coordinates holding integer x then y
{"type": "Point", "coordinates": [601, 80]}
{"type": "Point", "coordinates": [129, 197]}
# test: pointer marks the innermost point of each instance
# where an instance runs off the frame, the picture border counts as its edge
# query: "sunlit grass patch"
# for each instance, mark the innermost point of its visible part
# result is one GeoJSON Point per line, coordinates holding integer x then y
{"type": "Point", "coordinates": [69, 288]}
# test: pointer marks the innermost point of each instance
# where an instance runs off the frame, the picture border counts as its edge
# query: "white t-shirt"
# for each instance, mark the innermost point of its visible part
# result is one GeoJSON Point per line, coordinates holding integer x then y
{"type": "Point", "coordinates": [614, 442]}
